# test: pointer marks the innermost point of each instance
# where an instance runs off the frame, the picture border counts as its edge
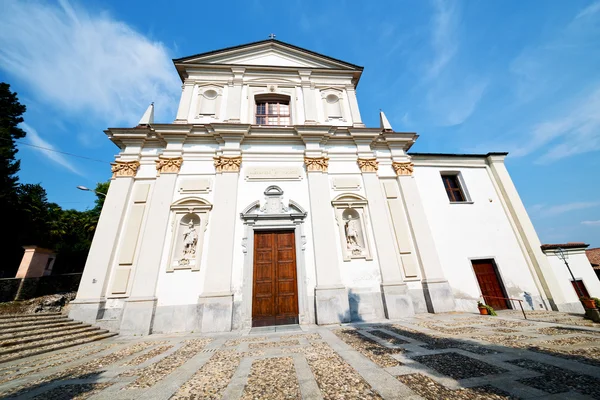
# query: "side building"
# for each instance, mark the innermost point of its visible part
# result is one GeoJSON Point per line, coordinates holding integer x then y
{"type": "Point", "coordinates": [267, 201]}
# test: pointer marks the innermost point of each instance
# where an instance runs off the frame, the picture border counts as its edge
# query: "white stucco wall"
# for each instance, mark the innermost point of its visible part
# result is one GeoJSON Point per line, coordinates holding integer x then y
{"type": "Point", "coordinates": [285, 83]}
{"type": "Point", "coordinates": [358, 273]}
{"type": "Point", "coordinates": [250, 191]}
{"type": "Point", "coordinates": [478, 229]}
{"type": "Point", "coordinates": [581, 268]}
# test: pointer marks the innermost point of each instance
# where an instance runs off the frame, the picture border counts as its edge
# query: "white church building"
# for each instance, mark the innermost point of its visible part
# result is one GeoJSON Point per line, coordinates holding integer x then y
{"type": "Point", "coordinates": [268, 201]}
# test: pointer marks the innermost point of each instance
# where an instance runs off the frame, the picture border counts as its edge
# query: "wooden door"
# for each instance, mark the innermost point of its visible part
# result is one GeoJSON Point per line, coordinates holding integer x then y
{"type": "Point", "coordinates": [275, 288]}
{"type": "Point", "coordinates": [489, 283]}
{"type": "Point", "coordinates": [582, 288]}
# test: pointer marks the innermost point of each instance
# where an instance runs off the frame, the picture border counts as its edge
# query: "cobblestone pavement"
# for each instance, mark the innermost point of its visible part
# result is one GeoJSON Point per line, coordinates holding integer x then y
{"type": "Point", "coordinates": [443, 356]}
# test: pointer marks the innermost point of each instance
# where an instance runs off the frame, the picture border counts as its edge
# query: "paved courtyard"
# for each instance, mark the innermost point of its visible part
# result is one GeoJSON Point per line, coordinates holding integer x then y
{"type": "Point", "coordinates": [457, 356]}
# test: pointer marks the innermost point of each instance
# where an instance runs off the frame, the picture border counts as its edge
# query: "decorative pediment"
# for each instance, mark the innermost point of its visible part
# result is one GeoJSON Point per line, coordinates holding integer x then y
{"type": "Point", "coordinates": [268, 53]}
{"type": "Point", "coordinates": [349, 200]}
{"type": "Point", "coordinates": [191, 204]}
{"type": "Point", "coordinates": [273, 207]}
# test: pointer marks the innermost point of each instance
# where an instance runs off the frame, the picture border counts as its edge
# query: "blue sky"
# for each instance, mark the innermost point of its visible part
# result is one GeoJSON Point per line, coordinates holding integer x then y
{"type": "Point", "coordinates": [468, 76]}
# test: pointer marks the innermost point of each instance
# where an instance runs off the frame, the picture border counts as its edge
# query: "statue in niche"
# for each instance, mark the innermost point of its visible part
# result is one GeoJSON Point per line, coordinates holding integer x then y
{"type": "Point", "coordinates": [351, 229]}
{"type": "Point", "coordinates": [190, 240]}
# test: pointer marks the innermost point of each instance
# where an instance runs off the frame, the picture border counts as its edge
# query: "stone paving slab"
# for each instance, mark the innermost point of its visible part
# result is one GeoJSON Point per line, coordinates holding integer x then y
{"type": "Point", "coordinates": [459, 356]}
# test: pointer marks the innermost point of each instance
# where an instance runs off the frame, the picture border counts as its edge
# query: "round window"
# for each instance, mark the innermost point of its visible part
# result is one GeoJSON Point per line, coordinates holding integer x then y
{"type": "Point", "coordinates": [210, 94]}
{"type": "Point", "coordinates": [332, 98]}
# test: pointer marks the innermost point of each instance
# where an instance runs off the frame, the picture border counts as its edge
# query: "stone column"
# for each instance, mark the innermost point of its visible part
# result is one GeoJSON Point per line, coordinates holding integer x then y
{"type": "Point", "coordinates": [216, 301]}
{"type": "Point", "coordinates": [234, 95]}
{"type": "Point", "coordinates": [354, 110]}
{"type": "Point", "coordinates": [546, 282]}
{"type": "Point", "coordinates": [310, 104]}
{"type": "Point", "coordinates": [397, 301]}
{"type": "Point", "coordinates": [92, 288]}
{"type": "Point", "coordinates": [185, 102]}
{"type": "Point", "coordinates": [139, 308]}
{"type": "Point", "coordinates": [331, 295]}
{"type": "Point", "coordinates": [437, 290]}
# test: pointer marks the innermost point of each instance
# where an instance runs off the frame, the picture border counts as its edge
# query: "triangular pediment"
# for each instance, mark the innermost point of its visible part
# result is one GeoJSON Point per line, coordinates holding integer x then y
{"type": "Point", "coordinates": [268, 53]}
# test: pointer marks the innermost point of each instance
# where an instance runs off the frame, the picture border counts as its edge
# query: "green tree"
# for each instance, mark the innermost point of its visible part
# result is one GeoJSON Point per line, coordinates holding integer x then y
{"type": "Point", "coordinates": [11, 112]}
{"type": "Point", "coordinates": [101, 187]}
{"type": "Point", "coordinates": [26, 209]}
{"type": "Point", "coordinates": [35, 216]}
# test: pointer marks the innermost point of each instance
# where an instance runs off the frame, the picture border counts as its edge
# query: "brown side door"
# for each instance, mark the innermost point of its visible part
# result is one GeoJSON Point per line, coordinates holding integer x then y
{"type": "Point", "coordinates": [582, 288]}
{"type": "Point", "coordinates": [275, 287]}
{"type": "Point", "coordinates": [489, 283]}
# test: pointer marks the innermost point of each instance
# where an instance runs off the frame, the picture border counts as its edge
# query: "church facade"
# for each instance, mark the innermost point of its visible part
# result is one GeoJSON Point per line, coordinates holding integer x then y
{"type": "Point", "coordinates": [267, 201]}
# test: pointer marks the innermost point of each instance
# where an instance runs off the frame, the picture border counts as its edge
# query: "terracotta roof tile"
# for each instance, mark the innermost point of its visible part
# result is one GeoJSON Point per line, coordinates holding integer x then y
{"type": "Point", "coordinates": [570, 245]}
{"type": "Point", "coordinates": [594, 256]}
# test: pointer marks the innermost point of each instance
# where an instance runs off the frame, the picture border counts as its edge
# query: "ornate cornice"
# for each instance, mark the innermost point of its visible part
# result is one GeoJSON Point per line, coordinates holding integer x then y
{"type": "Point", "coordinates": [316, 164]}
{"type": "Point", "coordinates": [125, 168]}
{"type": "Point", "coordinates": [403, 168]}
{"type": "Point", "coordinates": [168, 165]}
{"type": "Point", "coordinates": [228, 164]}
{"type": "Point", "coordinates": [368, 164]}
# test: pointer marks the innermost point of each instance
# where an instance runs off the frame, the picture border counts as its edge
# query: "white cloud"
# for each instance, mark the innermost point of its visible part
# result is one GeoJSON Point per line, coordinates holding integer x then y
{"type": "Point", "coordinates": [556, 88]}
{"type": "Point", "coordinates": [576, 130]}
{"type": "Point", "coordinates": [589, 10]}
{"type": "Point", "coordinates": [35, 139]}
{"type": "Point", "coordinates": [452, 89]}
{"type": "Point", "coordinates": [454, 99]}
{"type": "Point", "coordinates": [89, 65]}
{"type": "Point", "coordinates": [551, 211]}
{"type": "Point", "coordinates": [444, 40]}
{"type": "Point", "coordinates": [591, 223]}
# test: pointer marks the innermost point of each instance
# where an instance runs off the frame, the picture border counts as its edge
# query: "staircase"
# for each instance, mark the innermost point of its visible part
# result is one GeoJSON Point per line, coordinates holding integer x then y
{"type": "Point", "coordinates": [26, 335]}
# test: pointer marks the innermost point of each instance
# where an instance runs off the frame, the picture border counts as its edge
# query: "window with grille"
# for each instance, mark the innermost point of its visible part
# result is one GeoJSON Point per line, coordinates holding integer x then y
{"type": "Point", "coordinates": [273, 112]}
{"type": "Point", "coordinates": [453, 188]}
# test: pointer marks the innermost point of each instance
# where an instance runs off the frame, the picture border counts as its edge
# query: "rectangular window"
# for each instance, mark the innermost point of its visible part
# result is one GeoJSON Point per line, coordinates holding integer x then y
{"type": "Point", "coordinates": [453, 188]}
{"type": "Point", "coordinates": [580, 288]}
{"type": "Point", "coordinates": [273, 112]}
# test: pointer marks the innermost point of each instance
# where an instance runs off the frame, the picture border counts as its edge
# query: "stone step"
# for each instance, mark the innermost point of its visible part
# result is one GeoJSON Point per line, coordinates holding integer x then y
{"type": "Point", "coordinates": [41, 322]}
{"type": "Point", "coordinates": [15, 331]}
{"type": "Point", "coordinates": [53, 347]}
{"type": "Point", "coordinates": [46, 336]}
{"type": "Point", "coordinates": [27, 316]}
{"type": "Point", "coordinates": [62, 339]}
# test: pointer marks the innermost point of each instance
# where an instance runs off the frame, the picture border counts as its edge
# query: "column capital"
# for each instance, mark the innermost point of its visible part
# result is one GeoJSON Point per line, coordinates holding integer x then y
{"type": "Point", "coordinates": [168, 165]}
{"type": "Point", "coordinates": [124, 168]}
{"type": "Point", "coordinates": [228, 164]}
{"type": "Point", "coordinates": [316, 164]}
{"type": "Point", "coordinates": [238, 75]}
{"type": "Point", "coordinates": [368, 164]}
{"type": "Point", "coordinates": [403, 168]}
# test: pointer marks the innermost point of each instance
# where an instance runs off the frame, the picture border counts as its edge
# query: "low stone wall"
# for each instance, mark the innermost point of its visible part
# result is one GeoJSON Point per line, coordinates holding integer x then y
{"type": "Point", "coordinates": [9, 288]}
{"type": "Point", "coordinates": [27, 288]}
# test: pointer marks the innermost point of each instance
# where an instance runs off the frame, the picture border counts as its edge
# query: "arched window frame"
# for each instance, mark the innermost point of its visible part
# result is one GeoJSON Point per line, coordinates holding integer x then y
{"type": "Point", "coordinates": [264, 113]}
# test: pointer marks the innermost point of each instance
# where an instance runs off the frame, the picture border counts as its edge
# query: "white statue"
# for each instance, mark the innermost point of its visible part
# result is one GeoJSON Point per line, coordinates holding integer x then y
{"type": "Point", "coordinates": [190, 239]}
{"type": "Point", "coordinates": [353, 237]}
{"type": "Point", "coordinates": [351, 234]}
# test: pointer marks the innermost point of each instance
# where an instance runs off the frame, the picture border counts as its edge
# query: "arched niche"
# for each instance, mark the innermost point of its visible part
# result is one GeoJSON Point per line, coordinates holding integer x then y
{"type": "Point", "coordinates": [189, 221]}
{"type": "Point", "coordinates": [351, 216]}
